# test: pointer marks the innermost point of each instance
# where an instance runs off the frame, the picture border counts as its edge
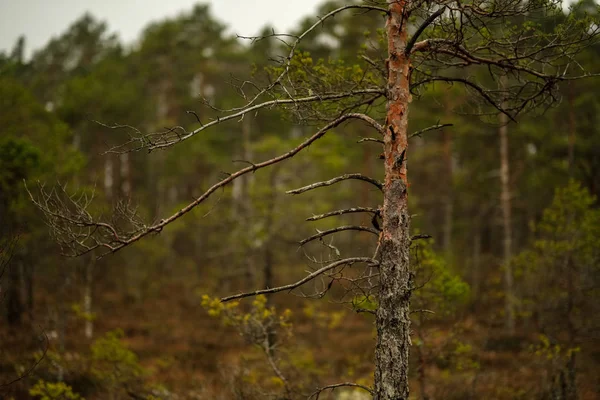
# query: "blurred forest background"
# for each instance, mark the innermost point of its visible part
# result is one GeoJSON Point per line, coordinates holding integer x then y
{"type": "Point", "coordinates": [143, 323]}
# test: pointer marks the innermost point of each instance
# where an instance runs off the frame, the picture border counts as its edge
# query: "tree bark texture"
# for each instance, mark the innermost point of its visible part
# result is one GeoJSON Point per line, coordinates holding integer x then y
{"type": "Point", "coordinates": [393, 320]}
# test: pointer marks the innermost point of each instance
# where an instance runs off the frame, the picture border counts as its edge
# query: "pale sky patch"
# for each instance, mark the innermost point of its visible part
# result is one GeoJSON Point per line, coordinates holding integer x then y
{"type": "Point", "coordinates": [39, 20]}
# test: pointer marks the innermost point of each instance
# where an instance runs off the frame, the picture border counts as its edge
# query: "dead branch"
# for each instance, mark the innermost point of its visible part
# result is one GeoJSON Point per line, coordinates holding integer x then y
{"type": "Point", "coordinates": [299, 38]}
{"type": "Point", "coordinates": [65, 212]}
{"type": "Point", "coordinates": [166, 139]}
{"type": "Point", "coordinates": [330, 182]}
{"type": "Point", "coordinates": [368, 139]}
{"type": "Point", "coordinates": [341, 212]}
{"type": "Point", "coordinates": [316, 394]}
{"type": "Point", "coordinates": [431, 128]}
{"type": "Point", "coordinates": [339, 229]}
{"type": "Point", "coordinates": [420, 236]}
{"type": "Point", "coordinates": [421, 28]}
{"type": "Point", "coordinates": [309, 277]}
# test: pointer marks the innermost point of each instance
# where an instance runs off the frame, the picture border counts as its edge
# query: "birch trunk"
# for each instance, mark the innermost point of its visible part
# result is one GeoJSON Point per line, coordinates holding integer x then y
{"type": "Point", "coordinates": [393, 320]}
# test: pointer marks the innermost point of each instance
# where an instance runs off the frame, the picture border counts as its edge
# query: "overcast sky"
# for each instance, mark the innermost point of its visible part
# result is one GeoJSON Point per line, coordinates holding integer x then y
{"type": "Point", "coordinates": [39, 20]}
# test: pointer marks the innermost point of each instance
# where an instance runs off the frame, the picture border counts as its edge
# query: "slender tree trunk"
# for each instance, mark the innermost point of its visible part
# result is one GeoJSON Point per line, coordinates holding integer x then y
{"type": "Point", "coordinates": [61, 328]}
{"type": "Point", "coordinates": [572, 128]}
{"type": "Point", "coordinates": [108, 177]}
{"type": "Point", "coordinates": [393, 319]}
{"type": "Point", "coordinates": [242, 210]}
{"type": "Point", "coordinates": [448, 198]}
{"type": "Point", "coordinates": [125, 175]}
{"type": "Point", "coordinates": [505, 200]}
{"type": "Point", "coordinates": [274, 184]}
{"type": "Point", "coordinates": [14, 303]}
{"type": "Point", "coordinates": [87, 298]}
{"type": "Point", "coordinates": [29, 277]}
{"type": "Point", "coordinates": [476, 261]}
{"type": "Point", "coordinates": [421, 353]}
{"type": "Point", "coordinates": [269, 247]}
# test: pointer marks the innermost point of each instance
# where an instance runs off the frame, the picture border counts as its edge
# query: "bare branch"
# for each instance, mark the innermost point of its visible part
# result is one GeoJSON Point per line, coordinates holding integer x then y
{"type": "Point", "coordinates": [338, 229]}
{"type": "Point", "coordinates": [479, 89]}
{"type": "Point", "coordinates": [420, 236]}
{"type": "Point", "coordinates": [309, 277]}
{"type": "Point", "coordinates": [345, 211]}
{"type": "Point", "coordinates": [299, 38]}
{"type": "Point", "coordinates": [166, 139]}
{"type": "Point", "coordinates": [336, 180]}
{"type": "Point", "coordinates": [368, 139]}
{"type": "Point", "coordinates": [371, 122]}
{"type": "Point", "coordinates": [421, 28]}
{"type": "Point", "coordinates": [316, 394]}
{"type": "Point", "coordinates": [101, 234]}
{"type": "Point", "coordinates": [431, 128]}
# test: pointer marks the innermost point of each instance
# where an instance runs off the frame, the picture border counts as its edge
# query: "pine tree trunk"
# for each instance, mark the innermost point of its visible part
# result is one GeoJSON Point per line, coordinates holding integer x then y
{"type": "Point", "coordinates": [505, 200]}
{"type": "Point", "coordinates": [393, 320]}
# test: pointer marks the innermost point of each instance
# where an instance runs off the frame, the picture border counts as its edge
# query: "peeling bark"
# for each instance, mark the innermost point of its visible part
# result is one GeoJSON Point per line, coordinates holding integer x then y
{"type": "Point", "coordinates": [393, 319]}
